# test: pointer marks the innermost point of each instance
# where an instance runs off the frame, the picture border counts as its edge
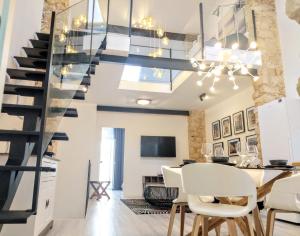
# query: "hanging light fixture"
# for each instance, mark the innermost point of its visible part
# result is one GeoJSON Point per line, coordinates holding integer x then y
{"type": "Point", "coordinates": [229, 61]}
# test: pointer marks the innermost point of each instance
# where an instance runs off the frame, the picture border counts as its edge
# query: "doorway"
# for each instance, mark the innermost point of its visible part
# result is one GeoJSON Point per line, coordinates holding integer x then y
{"type": "Point", "coordinates": [112, 157]}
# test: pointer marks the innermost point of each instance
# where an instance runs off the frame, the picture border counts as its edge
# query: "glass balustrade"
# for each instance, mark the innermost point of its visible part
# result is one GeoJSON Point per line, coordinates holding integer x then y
{"type": "Point", "coordinates": [77, 36]}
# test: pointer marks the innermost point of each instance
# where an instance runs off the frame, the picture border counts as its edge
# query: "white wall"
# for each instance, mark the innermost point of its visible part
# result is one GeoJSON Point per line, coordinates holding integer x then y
{"type": "Point", "coordinates": [73, 167]}
{"type": "Point", "coordinates": [135, 126]}
{"type": "Point", "coordinates": [27, 22]}
{"type": "Point", "coordinates": [6, 45]}
{"type": "Point", "coordinates": [289, 33]}
{"type": "Point", "coordinates": [236, 103]}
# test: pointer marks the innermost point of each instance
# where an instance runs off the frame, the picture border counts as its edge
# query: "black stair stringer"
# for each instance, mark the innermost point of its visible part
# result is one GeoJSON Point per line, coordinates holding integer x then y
{"type": "Point", "coordinates": [11, 180]}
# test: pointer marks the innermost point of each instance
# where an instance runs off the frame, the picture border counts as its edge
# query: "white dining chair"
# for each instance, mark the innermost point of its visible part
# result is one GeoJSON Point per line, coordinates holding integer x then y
{"type": "Point", "coordinates": [208, 179]}
{"type": "Point", "coordinates": [284, 198]}
{"type": "Point", "coordinates": [172, 179]}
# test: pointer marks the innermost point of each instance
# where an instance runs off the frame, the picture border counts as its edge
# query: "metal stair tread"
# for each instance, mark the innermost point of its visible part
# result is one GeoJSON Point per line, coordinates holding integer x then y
{"type": "Point", "coordinates": [24, 90]}
{"type": "Point", "coordinates": [39, 43]}
{"type": "Point", "coordinates": [43, 36]}
{"type": "Point", "coordinates": [32, 62]}
{"type": "Point", "coordinates": [15, 217]}
{"type": "Point", "coordinates": [36, 52]}
{"type": "Point", "coordinates": [20, 108]}
{"type": "Point", "coordinates": [23, 74]}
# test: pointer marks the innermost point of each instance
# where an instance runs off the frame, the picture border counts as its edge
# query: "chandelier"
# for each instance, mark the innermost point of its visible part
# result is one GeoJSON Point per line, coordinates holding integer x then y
{"type": "Point", "coordinates": [159, 34]}
{"type": "Point", "coordinates": [229, 63]}
{"type": "Point", "coordinates": [227, 56]}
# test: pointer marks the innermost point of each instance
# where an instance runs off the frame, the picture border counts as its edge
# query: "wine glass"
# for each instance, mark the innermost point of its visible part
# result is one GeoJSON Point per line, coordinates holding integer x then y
{"type": "Point", "coordinates": [219, 152]}
{"type": "Point", "coordinates": [207, 151]}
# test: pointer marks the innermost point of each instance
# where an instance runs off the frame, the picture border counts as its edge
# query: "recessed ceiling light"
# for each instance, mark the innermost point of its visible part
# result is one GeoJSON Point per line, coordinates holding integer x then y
{"type": "Point", "coordinates": [143, 102]}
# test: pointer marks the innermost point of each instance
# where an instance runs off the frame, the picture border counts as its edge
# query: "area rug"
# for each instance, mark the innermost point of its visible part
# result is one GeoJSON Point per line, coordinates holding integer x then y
{"type": "Point", "coordinates": [141, 207]}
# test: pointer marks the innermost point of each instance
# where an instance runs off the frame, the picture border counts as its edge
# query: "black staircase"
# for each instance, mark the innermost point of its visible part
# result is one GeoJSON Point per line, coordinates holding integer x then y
{"type": "Point", "coordinates": [41, 71]}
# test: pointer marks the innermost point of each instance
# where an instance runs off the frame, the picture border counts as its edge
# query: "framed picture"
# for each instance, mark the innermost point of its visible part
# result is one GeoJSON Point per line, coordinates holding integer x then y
{"type": "Point", "coordinates": [251, 119]}
{"type": "Point", "coordinates": [218, 148]}
{"type": "Point", "coordinates": [251, 140]}
{"type": "Point", "coordinates": [216, 130]}
{"type": "Point", "coordinates": [238, 122]}
{"type": "Point", "coordinates": [234, 146]}
{"type": "Point", "coordinates": [226, 127]}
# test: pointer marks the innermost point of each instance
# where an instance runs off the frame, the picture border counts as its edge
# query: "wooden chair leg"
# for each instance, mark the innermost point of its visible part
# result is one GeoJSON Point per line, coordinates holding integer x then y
{"type": "Point", "coordinates": [270, 222]}
{"type": "Point", "coordinates": [250, 226]}
{"type": "Point", "coordinates": [218, 230]}
{"type": "Point", "coordinates": [196, 225]}
{"type": "Point", "coordinates": [204, 221]}
{"type": "Point", "coordinates": [172, 217]}
{"type": "Point", "coordinates": [182, 218]}
{"type": "Point", "coordinates": [259, 228]}
{"type": "Point", "coordinates": [231, 227]}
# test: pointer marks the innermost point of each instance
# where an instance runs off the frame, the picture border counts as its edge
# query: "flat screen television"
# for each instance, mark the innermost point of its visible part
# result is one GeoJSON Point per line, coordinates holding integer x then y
{"type": "Point", "coordinates": [158, 146]}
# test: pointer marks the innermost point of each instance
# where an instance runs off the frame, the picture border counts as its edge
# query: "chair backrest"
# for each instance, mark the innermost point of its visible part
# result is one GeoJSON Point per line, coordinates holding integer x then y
{"type": "Point", "coordinates": [208, 179]}
{"type": "Point", "coordinates": [171, 178]}
{"type": "Point", "coordinates": [256, 175]}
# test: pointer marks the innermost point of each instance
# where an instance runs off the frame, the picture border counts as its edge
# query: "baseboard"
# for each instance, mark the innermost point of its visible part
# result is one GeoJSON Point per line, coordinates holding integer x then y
{"type": "Point", "coordinates": [47, 228]}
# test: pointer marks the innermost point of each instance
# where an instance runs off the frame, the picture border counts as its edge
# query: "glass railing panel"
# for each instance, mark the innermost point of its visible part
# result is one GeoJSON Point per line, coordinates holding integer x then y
{"type": "Point", "coordinates": [162, 26]}
{"type": "Point", "coordinates": [76, 41]}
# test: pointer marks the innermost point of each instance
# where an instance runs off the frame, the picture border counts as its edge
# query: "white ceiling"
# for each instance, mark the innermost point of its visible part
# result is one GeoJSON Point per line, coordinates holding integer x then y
{"type": "Point", "coordinates": [181, 16]}
{"type": "Point", "coordinates": [104, 91]}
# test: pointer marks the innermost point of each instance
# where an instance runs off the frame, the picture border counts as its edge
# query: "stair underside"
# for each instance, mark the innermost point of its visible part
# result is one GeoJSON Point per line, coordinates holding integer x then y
{"type": "Point", "coordinates": [14, 217]}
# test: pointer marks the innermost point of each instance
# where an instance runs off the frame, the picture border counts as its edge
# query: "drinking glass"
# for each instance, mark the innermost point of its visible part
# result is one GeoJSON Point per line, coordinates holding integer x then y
{"type": "Point", "coordinates": [207, 151]}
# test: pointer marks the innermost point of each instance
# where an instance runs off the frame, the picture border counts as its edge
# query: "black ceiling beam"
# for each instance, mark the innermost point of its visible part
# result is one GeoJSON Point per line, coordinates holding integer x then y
{"type": "Point", "coordinates": [149, 33]}
{"type": "Point", "coordinates": [158, 62]}
{"type": "Point", "coordinates": [143, 110]}
{"type": "Point", "coordinates": [145, 61]}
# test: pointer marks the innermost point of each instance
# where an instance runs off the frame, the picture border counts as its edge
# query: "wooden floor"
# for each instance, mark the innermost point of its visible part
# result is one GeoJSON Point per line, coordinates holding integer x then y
{"type": "Point", "coordinates": [113, 218]}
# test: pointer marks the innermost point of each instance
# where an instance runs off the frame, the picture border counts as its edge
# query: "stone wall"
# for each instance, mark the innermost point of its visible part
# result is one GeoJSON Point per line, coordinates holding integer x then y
{"type": "Point", "coordinates": [196, 125]}
{"type": "Point", "coordinates": [49, 6]}
{"type": "Point", "coordinates": [293, 10]}
{"type": "Point", "coordinates": [270, 86]}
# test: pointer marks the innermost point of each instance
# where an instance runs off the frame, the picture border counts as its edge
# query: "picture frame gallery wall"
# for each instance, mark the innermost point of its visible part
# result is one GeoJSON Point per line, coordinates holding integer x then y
{"type": "Point", "coordinates": [231, 123]}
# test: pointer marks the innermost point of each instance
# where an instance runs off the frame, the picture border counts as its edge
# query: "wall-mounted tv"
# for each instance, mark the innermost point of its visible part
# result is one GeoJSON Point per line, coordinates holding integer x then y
{"type": "Point", "coordinates": [158, 146]}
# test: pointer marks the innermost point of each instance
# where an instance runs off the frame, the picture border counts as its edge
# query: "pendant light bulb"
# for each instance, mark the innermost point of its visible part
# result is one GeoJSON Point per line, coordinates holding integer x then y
{"type": "Point", "coordinates": [165, 41]}
{"type": "Point", "coordinates": [236, 87]}
{"type": "Point", "coordinates": [199, 83]}
{"type": "Point", "coordinates": [244, 70]}
{"type": "Point", "coordinates": [218, 45]}
{"type": "Point", "coordinates": [255, 78]}
{"type": "Point", "coordinates": [235, 46]}
{"type": "Point", "coordinates": [202, 66]}
{"type": "Point", "coordinates": [253, 45]}
{"type": "Point", "coordinates": [200, 73]}
{"type": "Point", "coordinates": [160, 32]}
{"type": "Point", "coordinates": [216, 79]}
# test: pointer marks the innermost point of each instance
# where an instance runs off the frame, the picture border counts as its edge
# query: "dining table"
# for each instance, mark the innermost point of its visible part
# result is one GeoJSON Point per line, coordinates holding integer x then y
{"type": "Point", "coordinates": [262, 191]}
